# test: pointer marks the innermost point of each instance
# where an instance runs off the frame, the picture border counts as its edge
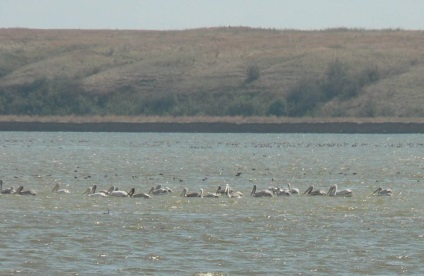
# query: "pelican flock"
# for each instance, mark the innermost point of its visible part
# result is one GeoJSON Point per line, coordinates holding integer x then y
{"type": "Point", "coordinates": [227, 191]}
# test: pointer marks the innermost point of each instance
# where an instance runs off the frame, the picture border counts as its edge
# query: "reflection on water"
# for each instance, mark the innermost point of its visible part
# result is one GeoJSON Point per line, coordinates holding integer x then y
{"type": "Point", "coordinates": [76, 234]}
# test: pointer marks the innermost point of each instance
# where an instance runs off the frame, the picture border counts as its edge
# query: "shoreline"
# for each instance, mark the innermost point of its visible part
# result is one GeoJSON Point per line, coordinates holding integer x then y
{"type": "Point", "coordinates": [219, 127]}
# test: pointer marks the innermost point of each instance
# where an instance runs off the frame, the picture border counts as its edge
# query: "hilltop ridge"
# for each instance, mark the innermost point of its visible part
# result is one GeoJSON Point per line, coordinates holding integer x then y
{"type": "Point", "coordinates": [251, 66]}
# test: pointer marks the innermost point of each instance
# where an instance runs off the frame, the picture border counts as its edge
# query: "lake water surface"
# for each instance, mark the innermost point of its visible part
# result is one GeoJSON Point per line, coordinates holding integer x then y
{"type": "Point", "coordinates": [72, 234]}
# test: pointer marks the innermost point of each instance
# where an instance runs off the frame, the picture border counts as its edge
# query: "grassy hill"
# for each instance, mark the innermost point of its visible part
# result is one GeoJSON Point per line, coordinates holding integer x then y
{"type": "Point", "coordinates": [207, 71]}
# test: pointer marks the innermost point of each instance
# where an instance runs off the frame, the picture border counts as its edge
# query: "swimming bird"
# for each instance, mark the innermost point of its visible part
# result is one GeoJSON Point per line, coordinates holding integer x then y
{"type": "Point", "coordinates": [383, 192]}
{"type": "Point", "coordinates": [212, 195]}
{"type": "Point", "coordinates": [282, 192]}
{"type": "Point", "coordinates": [224, 191]}
{"type": "Point", "coordinates": [163, 189]}
{"type": "Point", "coordinates": [108, 191]}
{"type": "Point", "coordinates": [293, 190]}
{"type": "Point", "coordinates": [159, 190]}
{"type": "Point", "coordinates": [91, 191]}
{"type": "Point", "coordinates": [60, 191]}
{"type": "Point", "coordinates": [220, 190]}
{"type": "Point", "coordinates": [335, 192]}
{"type": "Point", "coordinates": [263, 193]}
{"type": "Point", "coordinates": [234, 194]}
{"type": "Point", "coordinates": [20, 191]}
{"type": "Point", "coordinates": [310, 191]}
{"type": "Point", "coordinates": [118, 193]}
{"type": "Point", "coordinates": [10, 190]}
{"type": "Point", "coordinates": [131, 193]}
{"type": "Point", "coordinates": [279, 191]}
{"type": "Point", "coordinates": [194, 194]}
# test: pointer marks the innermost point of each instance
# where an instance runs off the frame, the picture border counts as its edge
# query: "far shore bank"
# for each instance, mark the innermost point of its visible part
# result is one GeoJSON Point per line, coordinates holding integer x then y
{"type": "Point", "coordinates": [218, 127]}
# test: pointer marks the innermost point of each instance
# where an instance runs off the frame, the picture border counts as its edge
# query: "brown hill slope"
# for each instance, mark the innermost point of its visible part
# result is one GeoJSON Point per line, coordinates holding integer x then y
{"type": "Point", "coordinates": [216, 61]}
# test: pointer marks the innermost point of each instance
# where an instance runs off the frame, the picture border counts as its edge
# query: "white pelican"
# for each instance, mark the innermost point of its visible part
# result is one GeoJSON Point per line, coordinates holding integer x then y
{"type": "Point", "coordinates": [10, 190]}
{"type": "Point", "coordinates": [118, 193]}
{"type": "Point", "coordinates": [310, 191]}
{"type": "Point", "coordinates": [212, 195]}
{"type": "Point", "coordinates": [335, 192]}
{"type": "Point", "coordinates": [293, 190]}
{"type": "Point", "coordinates": [224, 191]}
{"type": "Point", "coordinates": [91, 191]}
{"type": "Point", "coordinates": [132, 191]}
{"type": "Point", "coordinates": [195, 194]}
{"type": "Point", "coordinates": [108, 191]}
{"type": "Point", "coordinates": [20, 191]}
{"type": "Point", "coordinates": [167, 189]}
{"type": "Point", "coordinates": [237, 194]}
{"type": "Point", "coordinates": [264, 193]}
{"type": "Point", "coordinates": [60, 191]}
{"type": "Point", "coordinates": [279, 191]}
{"type": "Point", "coordinates": [273, 189]}
{"type": "Point", "coordinates": [158, 190]}
{"type": "Point", "coordinates": [230, 193]}
{"type": "Point", "coordinates": [383, 192]}
{"type": "Point", "coordinates": [282, 192]}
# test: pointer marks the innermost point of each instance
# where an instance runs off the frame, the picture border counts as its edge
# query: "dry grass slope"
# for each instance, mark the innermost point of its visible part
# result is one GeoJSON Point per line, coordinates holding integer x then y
{"type": "Point", "coordinates": [215, 60]}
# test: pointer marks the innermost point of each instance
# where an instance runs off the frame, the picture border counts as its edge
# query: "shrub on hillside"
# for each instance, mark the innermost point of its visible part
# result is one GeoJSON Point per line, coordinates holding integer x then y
{"type": "Point", "coordinates": [277, 108]}
{"type": "Point", "coordinates": [303, 98]}
{"type": "Point", "coordinates": [252, 73]}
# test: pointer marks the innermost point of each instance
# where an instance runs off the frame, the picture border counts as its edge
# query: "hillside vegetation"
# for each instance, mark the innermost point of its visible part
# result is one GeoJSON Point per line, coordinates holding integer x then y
{"type": "Point", "coordinates": [232, 71]}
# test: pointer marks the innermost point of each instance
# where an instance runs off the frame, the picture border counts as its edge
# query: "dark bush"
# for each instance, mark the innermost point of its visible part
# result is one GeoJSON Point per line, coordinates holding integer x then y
{"type": "Point", "coordinates": [336, 81]}
{"type": "Point", "coordinates": [253, 73]}
{"type": "Point", "coordinates": [277, 108]}
{"type": "Point", "coordinates": [303, 98]}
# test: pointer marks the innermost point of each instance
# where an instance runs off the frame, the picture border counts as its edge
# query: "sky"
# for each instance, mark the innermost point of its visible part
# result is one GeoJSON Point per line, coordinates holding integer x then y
{"type": "Point", "coordinates": [190, 14]}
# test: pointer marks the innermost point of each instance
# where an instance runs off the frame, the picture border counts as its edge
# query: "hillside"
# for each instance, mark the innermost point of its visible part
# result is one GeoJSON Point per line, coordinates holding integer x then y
{"type": "Point", "coordinates": [197, 72]}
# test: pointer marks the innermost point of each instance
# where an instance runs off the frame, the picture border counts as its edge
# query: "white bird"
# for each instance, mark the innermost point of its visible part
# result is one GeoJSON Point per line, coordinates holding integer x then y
{"type": "Point", "coordinates": [194, 194]}
{"type": "Point", "coordinates": [158, 190]}
{"type": "Point", "coordinates": [310, 191]}
{"type": "Point", "coordinates": [131, 193]}
{"type": "Point", "coordinates": [60, 191]}
{"type": "Point", "coordinates": [20, 191]}
{"type": "Point", "coordinates": [108, 191]}
{"type": "Point", "coordinates": [224, 191]}
{"type": "Point", "coordinates": [273, 189]}
{"type": "Point", "coordinates": [383, 192]}
{"type": "Point", "coordinates": [279, 191]}
{"type": "Point", "coordinates": [293, 190]}
{"type": "Point", "coordinates": [232, 193]}
{"type": "Point", "coordinates": [264, 193]}
{"type": "Point", "coordinates": [91, 191]}
{"type": "Point", "coordinates": [282, 192]}
{"type": "Point", "coordinates": [212, 195]}
{"type": "Point", "coordinates": [335, 192]}
{"type": "Point", "coordinates": [118, 193]}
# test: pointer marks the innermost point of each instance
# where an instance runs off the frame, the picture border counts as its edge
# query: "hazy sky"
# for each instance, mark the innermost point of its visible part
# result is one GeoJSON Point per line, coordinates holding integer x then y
{"type": "Point", "coordinates": [187, 14]}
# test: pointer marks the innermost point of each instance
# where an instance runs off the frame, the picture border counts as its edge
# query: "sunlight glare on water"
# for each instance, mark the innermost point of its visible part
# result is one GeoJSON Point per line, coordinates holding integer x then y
{"type": "Point", "coordinates": [76, 234]}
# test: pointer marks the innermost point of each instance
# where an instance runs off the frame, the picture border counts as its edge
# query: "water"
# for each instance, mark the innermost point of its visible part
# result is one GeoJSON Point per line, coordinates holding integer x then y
{"type": "Point", "coordinates": [169, 235]}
